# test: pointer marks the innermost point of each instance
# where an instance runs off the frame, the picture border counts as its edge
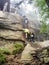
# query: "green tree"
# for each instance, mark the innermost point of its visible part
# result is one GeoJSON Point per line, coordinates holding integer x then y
{"type": "Point", "coordinates": [44, 14]}
{"type": "Point", "coordinates": [43, 27]}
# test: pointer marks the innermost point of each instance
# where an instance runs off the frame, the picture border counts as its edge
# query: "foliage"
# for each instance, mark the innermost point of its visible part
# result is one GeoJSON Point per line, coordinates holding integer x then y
{"type": "Point", "coordinates": [44, 14]}
{"type": "Point", "coordinates": [43, 8]}
{"type": "Point", "coordinates": [18, 47]}
{"type": "Point", "coordinates": [4, 51]}
{"type": "Point", "coordinates": [43, 27]}
{"type": "Point", "coordinates": [2, 58]}
{"type": "Point", "coordinates": [7, 52]}
{"type": "Point", "coordinates": [14, 48]}
{"type": "Point", "coordinates": [18, 44]}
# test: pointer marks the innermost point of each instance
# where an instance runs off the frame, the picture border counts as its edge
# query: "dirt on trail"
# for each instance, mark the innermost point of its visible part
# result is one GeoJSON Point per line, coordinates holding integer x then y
{"type": "Point", "coordinates": [12, 59]}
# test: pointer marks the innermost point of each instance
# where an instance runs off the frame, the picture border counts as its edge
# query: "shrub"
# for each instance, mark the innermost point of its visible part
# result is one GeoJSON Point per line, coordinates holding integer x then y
{"type": "Point", "coordinates": [2, 58]}
{"type": "Point", "coordinates": [15, 51]}
{"type": "Point", "coordinates": [4, 51]}
{"type": "Point", "coordinates": [18, 44]}
{"type": "Point", "coordinates": [18, 47]}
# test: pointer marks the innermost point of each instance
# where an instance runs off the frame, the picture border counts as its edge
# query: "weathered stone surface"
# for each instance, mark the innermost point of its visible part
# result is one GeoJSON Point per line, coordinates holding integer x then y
{"type": "Point", "coordinates": [46, 59]}
{"type": "Point", "coordinates": [10, 21]}
{"type": "Point", "coordinates": [4, 42]}
{"type": "Point", "coordinates": [37, 53]}
{"type": "Point", "coordinates": [42, 44]}
{"type": "Point", "coordinates": [26, 56]}
{"type": "Point", "coordinates": [12, 31]}
{"type": "Point", "coordinates": [42, 54]}
{"type": "Point", "coordinates": [10, 26]}
{"type": "Point", "coordinates": [10, 16]}
{"type": "Point", "coordinates": [8, 34]}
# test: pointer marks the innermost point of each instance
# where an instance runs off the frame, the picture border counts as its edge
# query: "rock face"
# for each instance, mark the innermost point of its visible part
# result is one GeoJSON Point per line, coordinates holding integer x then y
{"type": "Point", "coordinates": [41, 57]}
{"type": "Point", "coordinates": [26, 56]}
{"type": "Point", "coordinates": [42, 44]}
{"type": "Point", "coordinates": [11, 29]}
{"type": "Point", "coordinates": [8, 34]}
{"type": "Point", "coordinates": [39, 54]}
{"type": "Point", "coordinates": [10, 26]}
{"type": "Point", "coordinates": [10, 21]}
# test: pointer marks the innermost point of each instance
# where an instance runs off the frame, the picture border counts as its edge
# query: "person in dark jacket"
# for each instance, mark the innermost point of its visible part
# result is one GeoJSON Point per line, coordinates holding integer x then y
{"type": "Point", "coordinates": [32, 36]}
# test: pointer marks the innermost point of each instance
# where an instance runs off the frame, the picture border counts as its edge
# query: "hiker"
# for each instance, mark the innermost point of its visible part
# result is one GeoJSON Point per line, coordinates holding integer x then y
{"type": "Point", "coordinates": [32, 37]}
{"type": "Point", "coordinates": [27, 34]}
{"type": "Point", "coordinates": [25, 22]}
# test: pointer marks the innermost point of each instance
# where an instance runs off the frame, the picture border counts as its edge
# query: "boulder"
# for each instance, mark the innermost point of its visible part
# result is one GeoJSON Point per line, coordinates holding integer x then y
{"type": "Point", "coordinates": [42, 53]}
{"type": "Point", "coordinates": [44, 44]}
{"type": "Point", "coordinates": [26, 57]}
